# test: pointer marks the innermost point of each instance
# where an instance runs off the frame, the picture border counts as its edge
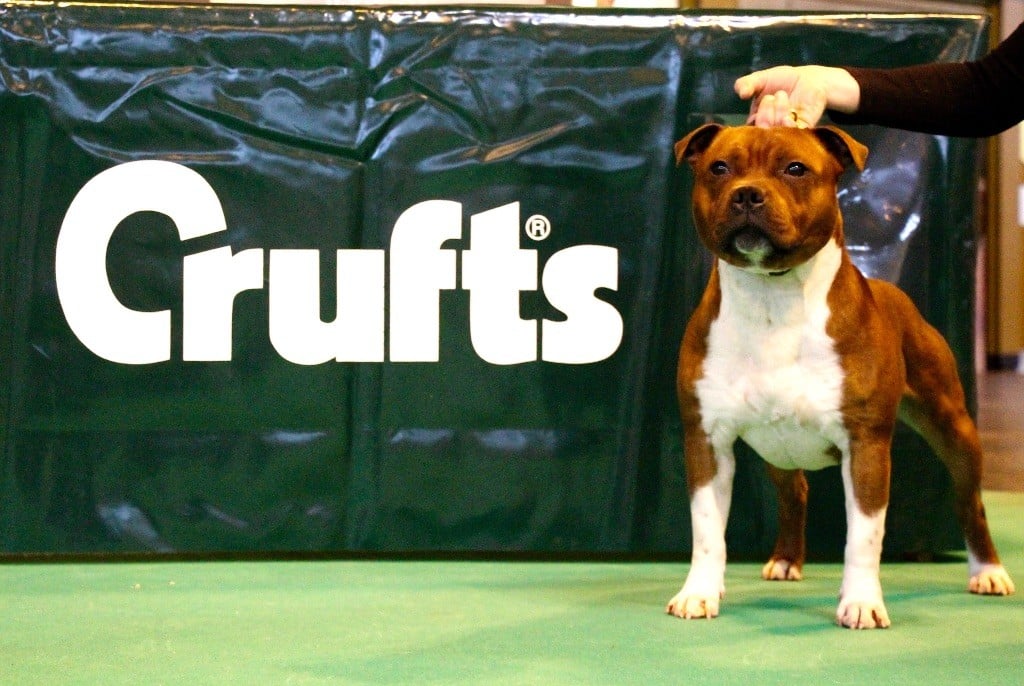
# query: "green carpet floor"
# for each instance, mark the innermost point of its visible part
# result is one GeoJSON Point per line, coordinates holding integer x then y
{"type": "Point", "coordinates": [371, 622]}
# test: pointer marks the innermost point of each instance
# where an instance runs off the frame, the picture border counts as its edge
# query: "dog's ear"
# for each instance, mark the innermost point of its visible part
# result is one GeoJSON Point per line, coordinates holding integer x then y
{"type": "Point", "coordinates": [842, 146]}
{"type": "Point", "coordinates": [696, 142]}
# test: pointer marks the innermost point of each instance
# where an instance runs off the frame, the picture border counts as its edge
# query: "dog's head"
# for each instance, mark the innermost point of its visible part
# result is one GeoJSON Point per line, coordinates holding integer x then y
{"type": "Point", "coordinates": [764, 199]}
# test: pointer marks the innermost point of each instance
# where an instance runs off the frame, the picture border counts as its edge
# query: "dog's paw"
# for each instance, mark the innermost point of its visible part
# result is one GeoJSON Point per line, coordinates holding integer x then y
{"type": "Point", "coordinates": [781, 569]}
{"type": "Point", "coordinates": [694, 605]}
{"type": "Point", "coordinates": [991, 580]}
{"type": "Point", "coordinates": [862, 613]}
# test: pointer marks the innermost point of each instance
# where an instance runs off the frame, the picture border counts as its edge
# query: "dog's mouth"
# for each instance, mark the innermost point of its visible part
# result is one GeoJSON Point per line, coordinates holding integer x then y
{"type": "Point", "coordinates": [749, 246]}
{"type": "Point", "coordinates": [751, 242]}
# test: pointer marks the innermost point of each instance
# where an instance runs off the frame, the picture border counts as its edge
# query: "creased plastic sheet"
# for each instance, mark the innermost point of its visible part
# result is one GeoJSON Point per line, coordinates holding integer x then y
{"type": "Point", "coordinates": [317, 129]}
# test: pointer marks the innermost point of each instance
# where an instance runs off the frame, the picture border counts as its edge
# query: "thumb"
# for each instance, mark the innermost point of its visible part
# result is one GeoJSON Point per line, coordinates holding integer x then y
{"type": "Point", "coordinates": [750, 85]}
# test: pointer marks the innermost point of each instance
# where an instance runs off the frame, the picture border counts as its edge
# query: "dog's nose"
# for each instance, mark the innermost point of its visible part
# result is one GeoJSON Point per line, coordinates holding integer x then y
{"type": "Point", "coordinates": [747, 198]}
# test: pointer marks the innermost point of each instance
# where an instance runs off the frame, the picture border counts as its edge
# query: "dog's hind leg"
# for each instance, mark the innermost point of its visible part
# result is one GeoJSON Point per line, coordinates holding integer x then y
{"type": "Point", "coordinates": [954, 438]}
{"type": "Point", "coordinates": [787, 560]}
{"type": "Point", "coordinates": [935, 407]}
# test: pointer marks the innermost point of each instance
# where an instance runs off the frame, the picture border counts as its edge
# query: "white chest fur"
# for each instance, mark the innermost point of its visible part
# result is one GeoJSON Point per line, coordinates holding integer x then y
{"type": "Point", "coordinates": [771, 375]}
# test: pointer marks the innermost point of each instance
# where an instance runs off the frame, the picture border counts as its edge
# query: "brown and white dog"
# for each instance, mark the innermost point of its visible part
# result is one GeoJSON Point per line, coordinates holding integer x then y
{"type": "Point", "coordinates": [793, 350]}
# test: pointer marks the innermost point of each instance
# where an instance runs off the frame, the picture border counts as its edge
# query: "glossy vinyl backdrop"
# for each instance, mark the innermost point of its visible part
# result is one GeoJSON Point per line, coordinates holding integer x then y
{"type": "Point", "coordinates": [317, 128]}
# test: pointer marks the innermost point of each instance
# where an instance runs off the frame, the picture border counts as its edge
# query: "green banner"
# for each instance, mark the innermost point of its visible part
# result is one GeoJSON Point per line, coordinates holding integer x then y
{"type": "Point", "coordinates": [330, 280]}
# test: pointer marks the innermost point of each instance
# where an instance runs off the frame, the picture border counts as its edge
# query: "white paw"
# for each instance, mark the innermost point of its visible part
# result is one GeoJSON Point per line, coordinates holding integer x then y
{"type": "Point", "coordinates": [862, 613]}
{"type": "Point", "coordinates": [991, 580]}
{"type": "Point", "coordinates": [779, 569]}
{"type": "Point", "coordinates": [694, 605]}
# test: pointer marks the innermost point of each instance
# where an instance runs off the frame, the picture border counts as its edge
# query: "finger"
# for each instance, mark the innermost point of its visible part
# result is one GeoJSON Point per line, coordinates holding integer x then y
{"type": "Point", "coordinates": [765, 111]}
{"type": "Point", "coordinates": [774, 110]}
{"type": "Point", "coordinates": [755, 105]}
{"type": "Point", "coordinates": [799, 119]}
{"type": "Point", "coordinates": [784, 113]}
{"type": "Point", "coordinates": [808, 114]}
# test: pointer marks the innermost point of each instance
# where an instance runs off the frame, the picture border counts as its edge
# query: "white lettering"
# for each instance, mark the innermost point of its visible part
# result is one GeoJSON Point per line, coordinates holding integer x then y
{"type": "Point", "coordinates": [296, 330]}
{"type": "Point", "coordinates": [420, 269]}
{"type": "Point", "coordinates": [592, 330]}
{"type": "Point", "coordinates": [495, 271]}
{"type": "Point", "coordinates": [404, 317]}
{"type": "Point", "coordinates": [93, 312]}
{"type": "Point", "coordinates": [211, 280]}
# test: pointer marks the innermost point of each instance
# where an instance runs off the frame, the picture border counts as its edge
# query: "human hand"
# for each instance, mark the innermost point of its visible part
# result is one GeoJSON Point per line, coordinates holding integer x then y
{"type": "Point", "coordinates": [797, 96]}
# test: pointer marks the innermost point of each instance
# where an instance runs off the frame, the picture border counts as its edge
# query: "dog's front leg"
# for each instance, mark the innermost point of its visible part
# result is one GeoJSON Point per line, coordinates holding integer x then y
{"type": "Point", "coordinates": [865, 469]}
{"type": "Point", "coordinates": [709, 476]}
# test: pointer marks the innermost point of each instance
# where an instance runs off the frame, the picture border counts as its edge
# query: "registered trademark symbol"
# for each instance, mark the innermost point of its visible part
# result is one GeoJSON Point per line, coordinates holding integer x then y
{"type": "Point", "coordinates": [538, 227]}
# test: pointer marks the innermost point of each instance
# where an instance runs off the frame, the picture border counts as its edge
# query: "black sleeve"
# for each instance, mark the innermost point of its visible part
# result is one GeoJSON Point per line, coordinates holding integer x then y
{"type": "Point", "coordinates": [971, 99]}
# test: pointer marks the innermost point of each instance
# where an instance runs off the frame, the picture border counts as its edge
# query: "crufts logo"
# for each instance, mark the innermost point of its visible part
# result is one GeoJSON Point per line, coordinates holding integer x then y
{"type": "Point", "coordinates": [494, 272]}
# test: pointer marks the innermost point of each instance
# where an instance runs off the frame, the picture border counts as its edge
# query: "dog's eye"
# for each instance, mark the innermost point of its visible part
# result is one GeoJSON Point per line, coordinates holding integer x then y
{"type": "Point", "coordinates": [796, 169]}
{"type": "Point", "coordinates": [718, 168]}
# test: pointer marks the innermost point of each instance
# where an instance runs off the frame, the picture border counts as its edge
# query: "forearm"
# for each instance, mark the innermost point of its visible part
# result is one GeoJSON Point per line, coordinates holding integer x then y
{"type": "Point", "coordinates": [957, 99]}
{"type": "Point", "coordinates": [935, 98]}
